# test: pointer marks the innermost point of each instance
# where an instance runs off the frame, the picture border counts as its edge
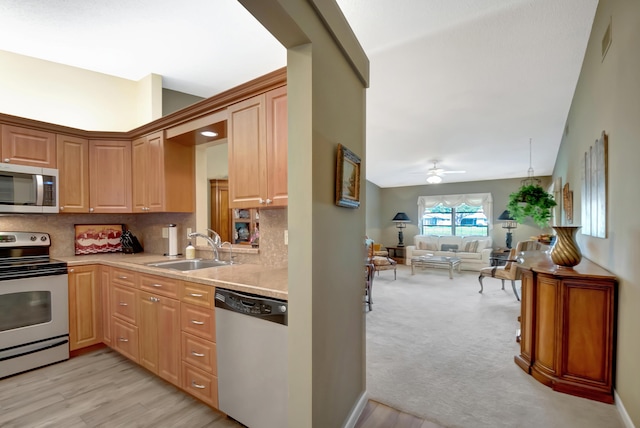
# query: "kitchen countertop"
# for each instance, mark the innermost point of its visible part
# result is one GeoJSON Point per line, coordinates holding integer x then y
{"type": "Point", "coordinates": [244, 277]}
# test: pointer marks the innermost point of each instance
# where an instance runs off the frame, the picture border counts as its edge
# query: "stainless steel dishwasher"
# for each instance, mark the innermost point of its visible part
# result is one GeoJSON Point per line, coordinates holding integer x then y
{"type": "Point", "coordinates": [251, 342]}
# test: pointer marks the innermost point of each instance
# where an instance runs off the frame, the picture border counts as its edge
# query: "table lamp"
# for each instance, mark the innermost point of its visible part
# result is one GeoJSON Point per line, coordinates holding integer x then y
{"type": "Point", "coordinates": [401, 220]}
{"type": "Point", "coordinates": [509, 223]}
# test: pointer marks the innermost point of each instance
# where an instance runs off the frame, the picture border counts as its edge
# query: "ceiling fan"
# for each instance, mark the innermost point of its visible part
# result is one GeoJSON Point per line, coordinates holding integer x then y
{"type": "Point", "coordinates": [434, 175]}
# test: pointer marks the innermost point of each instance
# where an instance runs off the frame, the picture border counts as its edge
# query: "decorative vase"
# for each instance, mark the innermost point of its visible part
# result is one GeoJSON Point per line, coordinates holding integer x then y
{"type": "Point", "coordinates": [565, 250]}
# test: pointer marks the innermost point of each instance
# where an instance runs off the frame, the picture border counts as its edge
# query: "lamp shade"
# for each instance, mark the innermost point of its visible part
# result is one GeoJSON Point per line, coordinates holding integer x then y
{"type": "Point", "coordinates": [506, 215]}
{"type": "Point", "coordinates": [401, 218]}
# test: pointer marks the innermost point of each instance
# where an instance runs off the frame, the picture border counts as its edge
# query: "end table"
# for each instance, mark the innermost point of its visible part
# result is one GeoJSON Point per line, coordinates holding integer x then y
{"type": "Point", "coordinates": [396, 253]}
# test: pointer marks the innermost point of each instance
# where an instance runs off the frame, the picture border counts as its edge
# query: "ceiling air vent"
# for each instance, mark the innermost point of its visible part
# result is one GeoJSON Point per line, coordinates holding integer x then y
{"type": "Point", "coordinates": [606, 40]}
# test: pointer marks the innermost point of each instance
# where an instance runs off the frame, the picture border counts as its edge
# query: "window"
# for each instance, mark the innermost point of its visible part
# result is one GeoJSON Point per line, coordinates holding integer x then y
{"type": "Point", "coordinates": [463, 220]}
{"type": "Point", "coordinates": [455, 215]}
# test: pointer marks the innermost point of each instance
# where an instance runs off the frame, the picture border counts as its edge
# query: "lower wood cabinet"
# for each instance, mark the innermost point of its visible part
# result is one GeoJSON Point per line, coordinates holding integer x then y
{"type": "Point", "coordinates": [125, 339]}
{"type": "Point", "coordinates": [159, 333]}
{"type": "Point", "coordinates": [85, 309]}
{"type": "Point", "coordinates": [568, 328]}
{"type": "Point", "coordinates": [200, 384]}
{"type": "Point", "coordinates": [163, 324]}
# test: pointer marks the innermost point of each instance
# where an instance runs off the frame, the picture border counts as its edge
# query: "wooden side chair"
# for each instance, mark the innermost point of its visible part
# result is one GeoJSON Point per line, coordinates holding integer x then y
{"type": "Point", "coordinates": [369, 270]}
{"type": "Point", "coordinates": [510, 270]}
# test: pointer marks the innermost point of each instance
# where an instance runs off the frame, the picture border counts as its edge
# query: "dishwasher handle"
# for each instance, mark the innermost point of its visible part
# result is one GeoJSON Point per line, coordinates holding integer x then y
{"type": "Point", "coordinates": [264, 308]}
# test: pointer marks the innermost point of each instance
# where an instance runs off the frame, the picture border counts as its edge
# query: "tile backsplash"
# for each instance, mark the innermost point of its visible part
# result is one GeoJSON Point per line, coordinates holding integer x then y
{"type": "Point", "coordinates": [148, 229]}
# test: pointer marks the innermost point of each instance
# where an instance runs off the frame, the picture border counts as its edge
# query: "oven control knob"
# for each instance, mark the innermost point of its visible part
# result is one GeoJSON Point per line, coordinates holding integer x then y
{"type": "Point", "coordinates": [33, 237]}
{"type": "Point", "coordinates": [283, 308]}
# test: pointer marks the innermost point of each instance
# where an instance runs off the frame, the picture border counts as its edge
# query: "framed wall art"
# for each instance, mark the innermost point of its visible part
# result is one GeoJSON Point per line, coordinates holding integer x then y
{"type": "Point", "coordinates": [347, 178]}
{"type": "Point", "coordinates": [594, 189]}
{"type": "Point", "coordinates": [98, 238]}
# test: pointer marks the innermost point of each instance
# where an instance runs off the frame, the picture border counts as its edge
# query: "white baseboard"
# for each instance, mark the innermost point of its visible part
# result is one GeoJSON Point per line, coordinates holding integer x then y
{"type": "Point", "coordinates": [356, 411]}
{"type": "Point", "coordinates": [623, 412]}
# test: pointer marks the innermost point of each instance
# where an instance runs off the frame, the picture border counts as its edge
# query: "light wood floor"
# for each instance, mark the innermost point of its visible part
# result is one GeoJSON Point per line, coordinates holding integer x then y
{"type": "Point", "coordinates": [378, 415]}
{"type": "Point", "coordinates": [104, 389]}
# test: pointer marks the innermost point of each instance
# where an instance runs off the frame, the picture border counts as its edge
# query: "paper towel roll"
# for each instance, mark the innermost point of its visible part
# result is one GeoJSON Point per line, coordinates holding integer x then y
{"type": "Point", "coordinates": [173, 240]}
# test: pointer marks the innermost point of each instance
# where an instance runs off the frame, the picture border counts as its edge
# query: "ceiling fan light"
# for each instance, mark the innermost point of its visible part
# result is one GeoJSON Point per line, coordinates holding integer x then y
{"type": "Point", "coordinates": [434, 179]}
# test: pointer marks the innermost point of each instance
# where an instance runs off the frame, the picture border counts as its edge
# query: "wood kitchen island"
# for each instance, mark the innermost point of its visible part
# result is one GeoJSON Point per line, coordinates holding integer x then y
{"type": "Point", "coordinates": [568, 326]}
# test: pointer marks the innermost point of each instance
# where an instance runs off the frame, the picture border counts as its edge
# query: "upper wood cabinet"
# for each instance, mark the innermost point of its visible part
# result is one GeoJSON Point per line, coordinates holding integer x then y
{"type": "Point", "coordinates": [73, 174]}
{"type": "Point", "coordinates": [109, 176]}
{"type": "Point", "coordinates": [257, 133]}
{"type": "Point", "coordinates": [163, 175]}
{"type": "Point", "coordinates": [24, 146]}
{"type": "Point", "coordinates": [85, 310]}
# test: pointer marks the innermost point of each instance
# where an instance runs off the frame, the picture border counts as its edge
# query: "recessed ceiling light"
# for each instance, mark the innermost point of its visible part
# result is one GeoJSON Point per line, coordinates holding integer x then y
{"type": "Point", "coordinates": [209, 133]}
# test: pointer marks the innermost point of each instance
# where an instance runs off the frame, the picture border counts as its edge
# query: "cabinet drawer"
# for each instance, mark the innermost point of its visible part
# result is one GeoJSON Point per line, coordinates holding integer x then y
{"type": "Point", "coordinates": [199, 353]}
{"type": "Point", "coordinates": [156, 284]}
{"type": "Point", "coordinates": [123, 277]}
{"type": "Point", "coordinates": [200, 384]}
{"type": "Point", "coordinates": [124, 304]}
{"type": "Point", "coordinates": [197, 294]}
{"type": "Point", "coordinates": [198, 321]}
{"type": "Point", "coordinates": [125, 339]}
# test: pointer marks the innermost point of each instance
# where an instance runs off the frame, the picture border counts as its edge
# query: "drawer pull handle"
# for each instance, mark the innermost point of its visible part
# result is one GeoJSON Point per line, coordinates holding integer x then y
{"type": "Point", "coordinates": [156, 285]}
{"type": "Point", "coordinates": [197, 322]}
{"type": "Point", "coordinates": [195, 295]}
{"type": "Point", "coordinates": [123, 304]}
{"type": "Point", "coordinates": [122, 339]}
{"type": "Point", "coordinates": [195, 385]}
{"type": "Point", "coordinates": [196, 354]}
{"type": "Point", "coordinates": [122, 277]}
{"type": "Point", "coordinates": [154, 299]}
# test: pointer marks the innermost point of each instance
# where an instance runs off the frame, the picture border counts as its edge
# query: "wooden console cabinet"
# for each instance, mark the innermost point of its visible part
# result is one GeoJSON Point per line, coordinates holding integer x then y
{"type": "Point", "coordinates": [568, 327]}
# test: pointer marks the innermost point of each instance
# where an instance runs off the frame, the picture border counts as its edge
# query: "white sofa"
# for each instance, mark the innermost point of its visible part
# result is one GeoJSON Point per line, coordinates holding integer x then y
{"type": "Point", "coordinates": [454, 246]}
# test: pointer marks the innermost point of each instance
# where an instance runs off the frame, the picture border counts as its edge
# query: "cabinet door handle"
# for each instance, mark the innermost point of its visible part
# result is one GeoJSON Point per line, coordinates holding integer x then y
{"type": "Point", "coordinates": [7, 160]}
{"type": "Point", "coordinates": [261, 201]}
{"type": "Point", "coordinates": [122, 339]}
{"type": "Point", "coordinates": [197, 322]}
{"type": "Point", "coordinates": [90, 210]}
{"type": "Point", "coordinates": [195, 295]}
{"type": "Point", "coordinates": [71, 270]}
{"type": "Point", "coordinates": [269, 201]}
{"type": "Point", "coordinates": [123, 304]}
{"type": "Point", "coordinates": [196, 354]}
{"type": "Point", "coordinates": [61, 208]}
{"type": "Point", "coordinates": [195, 385]}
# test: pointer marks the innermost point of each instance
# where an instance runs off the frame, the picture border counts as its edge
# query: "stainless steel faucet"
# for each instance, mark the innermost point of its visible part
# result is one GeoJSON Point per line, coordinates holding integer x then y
{"type": "Point", "coordinates": [213, 242]}
{"type": "Point", "coordinates": [230, 251]}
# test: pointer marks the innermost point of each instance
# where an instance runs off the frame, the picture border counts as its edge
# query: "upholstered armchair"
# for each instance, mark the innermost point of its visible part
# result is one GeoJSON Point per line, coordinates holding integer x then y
{"type": "Point", "coordinates": [379, 258]}
{"type": "Point", "coordinates": [510, 270]}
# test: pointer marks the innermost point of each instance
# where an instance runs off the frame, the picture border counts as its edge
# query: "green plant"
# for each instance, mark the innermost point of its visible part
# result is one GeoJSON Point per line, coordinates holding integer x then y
{"type": "Point", "coordinates": [531, 201]}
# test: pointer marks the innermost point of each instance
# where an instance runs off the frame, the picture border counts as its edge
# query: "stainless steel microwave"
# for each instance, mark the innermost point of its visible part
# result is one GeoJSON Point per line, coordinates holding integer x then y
{"type": "Point", "coordinates": [28, 189]}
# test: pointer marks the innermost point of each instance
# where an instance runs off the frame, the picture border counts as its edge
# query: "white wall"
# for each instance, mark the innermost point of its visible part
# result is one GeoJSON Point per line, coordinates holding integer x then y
{"type": "Point", "coordinates": [607, 98]}
{"type": "Point", "coordinates": [64, 95]}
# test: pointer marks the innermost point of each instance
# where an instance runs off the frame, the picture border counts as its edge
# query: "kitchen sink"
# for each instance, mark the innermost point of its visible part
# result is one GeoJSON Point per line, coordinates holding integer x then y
{"type": "Point", "coordinates": [186, 265]}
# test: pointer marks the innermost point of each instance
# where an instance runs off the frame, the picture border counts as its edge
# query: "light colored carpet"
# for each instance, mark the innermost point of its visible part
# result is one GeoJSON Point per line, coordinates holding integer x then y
{"type": "Point", "coordinates": [438, 349]}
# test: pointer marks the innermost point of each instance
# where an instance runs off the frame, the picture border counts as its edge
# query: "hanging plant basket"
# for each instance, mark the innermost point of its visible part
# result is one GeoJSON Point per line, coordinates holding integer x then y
{"type": "Point", "coordinates": [531, 201]}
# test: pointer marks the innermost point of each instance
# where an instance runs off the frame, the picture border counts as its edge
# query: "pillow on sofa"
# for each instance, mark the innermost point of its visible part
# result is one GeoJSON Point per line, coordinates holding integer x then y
{"type": "Point", "coordinates": [449, 247]}
{"type": "Point", "coordinates": [471, 247]}
{"type": "Point", "coordinates": [429, 246]}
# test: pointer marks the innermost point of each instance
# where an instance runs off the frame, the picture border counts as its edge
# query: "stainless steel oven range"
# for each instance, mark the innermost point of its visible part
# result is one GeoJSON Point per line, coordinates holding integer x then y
{"type": "Point", "coordinates": [34, 315]}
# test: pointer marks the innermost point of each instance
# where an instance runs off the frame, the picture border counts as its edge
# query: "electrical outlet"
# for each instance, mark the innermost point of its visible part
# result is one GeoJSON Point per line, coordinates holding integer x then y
{"type": "Point", "coordinates": [188, 231]}
{"type": "Point", "coordinates": [165, 232]}
{"type": "Point", "coordinates": [286, 237]}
